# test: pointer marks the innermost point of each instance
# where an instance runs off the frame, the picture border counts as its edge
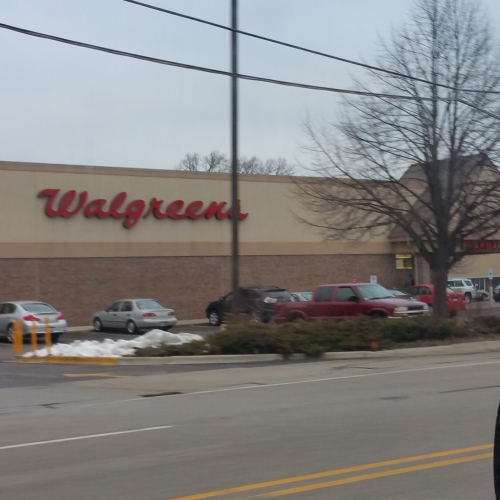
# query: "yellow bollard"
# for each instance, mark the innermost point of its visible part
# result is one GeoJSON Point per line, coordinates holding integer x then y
{"type": "Point", "coordinates": [48, 335]}
{"type": "Point", "coordinates": [17, 328]}
{"type": "Point", "coordinates": [33, 337]}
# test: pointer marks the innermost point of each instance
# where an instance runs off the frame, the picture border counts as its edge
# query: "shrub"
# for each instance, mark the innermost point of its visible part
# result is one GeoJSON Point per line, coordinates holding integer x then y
{"type": "Point", "coordinates": [247, 337]}
{"type": "Point", "coordinates": [421, 328]}
{"type": "Point", "coordinates": [492, 323]}
{"type": "Point", "coordinates": [195, 348]}
{"type": "Point", "coordinates": [244, 336]}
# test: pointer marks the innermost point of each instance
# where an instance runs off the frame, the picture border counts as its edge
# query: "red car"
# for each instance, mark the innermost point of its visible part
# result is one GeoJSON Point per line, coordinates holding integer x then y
{"type": "Point", "coordinates": [455, 301]}
{"type": "Point", "coordinates": [347, 301]}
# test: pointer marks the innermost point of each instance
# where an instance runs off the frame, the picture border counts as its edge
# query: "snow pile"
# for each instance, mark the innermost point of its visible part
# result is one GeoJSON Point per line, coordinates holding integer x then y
{"type": "Point", "coordinates": [114, 348]}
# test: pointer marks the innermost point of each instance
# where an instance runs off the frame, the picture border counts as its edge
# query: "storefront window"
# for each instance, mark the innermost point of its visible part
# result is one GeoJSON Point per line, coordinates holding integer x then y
{"type": "Point", "coordinates": [404, 261]}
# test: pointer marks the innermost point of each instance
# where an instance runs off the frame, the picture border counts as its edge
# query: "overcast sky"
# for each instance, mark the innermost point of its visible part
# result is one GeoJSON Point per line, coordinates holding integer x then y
{"type": "Point", "coordinates": [64, 104]}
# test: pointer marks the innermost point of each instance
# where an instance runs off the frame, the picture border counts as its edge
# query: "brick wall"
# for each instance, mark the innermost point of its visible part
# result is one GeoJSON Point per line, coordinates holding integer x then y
{"type": "Point", "coordinates": [80, 286]}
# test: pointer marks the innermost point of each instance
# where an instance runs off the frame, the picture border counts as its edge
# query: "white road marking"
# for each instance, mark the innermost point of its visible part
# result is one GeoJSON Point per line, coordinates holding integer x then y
{"type": "Point", "coordinates": [90, 436]}
{"type": "Point", "coordinates": [298, 382]}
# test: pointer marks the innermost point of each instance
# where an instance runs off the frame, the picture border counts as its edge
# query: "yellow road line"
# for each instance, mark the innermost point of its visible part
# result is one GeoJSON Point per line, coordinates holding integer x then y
{"type": "Point", "coordinates": [319, 475]}
{"type": "Point", "coordinates": [376, 475]}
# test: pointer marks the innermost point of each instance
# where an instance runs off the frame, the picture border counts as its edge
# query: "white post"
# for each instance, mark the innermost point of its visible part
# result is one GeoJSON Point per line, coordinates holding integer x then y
{"type": "Point", "coordinates": [490, 277]}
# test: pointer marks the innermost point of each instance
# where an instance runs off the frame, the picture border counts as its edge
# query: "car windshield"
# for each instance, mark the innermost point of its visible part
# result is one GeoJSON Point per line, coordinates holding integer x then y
{"type": "Point", "coordinates": [306, 295]}
{"type": "Point", "coordinates": [38, 307]}
{"type": "Point", "coordinates": [373, 292]}
{"type": "Point", "coordinates": [397, 292]}
{"type": "Point", "coordinates": [144, 305]}
{"type": "Point", "coordinates": [281, 296]}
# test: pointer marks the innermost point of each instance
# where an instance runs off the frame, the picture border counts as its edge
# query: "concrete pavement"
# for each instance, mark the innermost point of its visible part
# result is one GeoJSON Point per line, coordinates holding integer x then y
{"type": "Point", "coordinates": [401, 429]}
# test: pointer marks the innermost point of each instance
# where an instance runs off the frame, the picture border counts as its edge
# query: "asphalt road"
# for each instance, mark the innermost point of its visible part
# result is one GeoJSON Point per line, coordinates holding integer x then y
{"type": "Point", "coordinates": [386, 429]}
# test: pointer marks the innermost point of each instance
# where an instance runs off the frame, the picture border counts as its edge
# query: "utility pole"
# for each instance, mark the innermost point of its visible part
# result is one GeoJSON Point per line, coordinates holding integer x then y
{"type": "Point", "coordinates": [234, 156]}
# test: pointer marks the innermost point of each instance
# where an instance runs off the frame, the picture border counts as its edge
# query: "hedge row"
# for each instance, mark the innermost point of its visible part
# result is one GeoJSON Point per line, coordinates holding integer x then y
{"type": "Point", "coordinates": [243, 336]}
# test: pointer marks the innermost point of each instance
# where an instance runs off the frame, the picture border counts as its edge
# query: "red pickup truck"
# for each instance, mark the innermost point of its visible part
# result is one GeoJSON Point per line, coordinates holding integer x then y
{"type": "Point", "coordinates": [344, 301]}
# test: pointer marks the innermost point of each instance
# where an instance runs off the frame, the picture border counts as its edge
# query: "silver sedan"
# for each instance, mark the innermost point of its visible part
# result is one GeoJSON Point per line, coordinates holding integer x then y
{"type": "Point", "coordinates": [134, 315]}
{"type": "Point", "coordinates": [31, 313]}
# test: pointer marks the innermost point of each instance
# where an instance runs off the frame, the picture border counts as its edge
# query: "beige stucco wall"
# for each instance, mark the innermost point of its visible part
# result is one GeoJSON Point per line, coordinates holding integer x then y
{"type": "Point", "coordinates": [270, 229]}
{"type": "Point", "coordinates": [477, 266]}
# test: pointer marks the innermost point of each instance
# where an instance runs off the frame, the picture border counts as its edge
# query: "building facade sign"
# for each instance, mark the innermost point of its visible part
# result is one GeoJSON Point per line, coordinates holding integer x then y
{"type": "Point", "coordinates": [481, 246]}
{"type": "Point", "coordinates": [72, 203]}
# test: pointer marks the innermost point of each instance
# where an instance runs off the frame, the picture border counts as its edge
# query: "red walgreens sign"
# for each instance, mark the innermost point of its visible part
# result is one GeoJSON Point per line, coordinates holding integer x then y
{"type": "Point", "coordinates": [71, 203]}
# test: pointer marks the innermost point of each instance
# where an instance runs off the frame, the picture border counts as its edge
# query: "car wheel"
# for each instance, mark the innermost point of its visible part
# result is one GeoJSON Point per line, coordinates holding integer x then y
{"type": "Point", "coordinates": [266, 318]}
{"type": "Point", "coordinates": [468, 298]}
{"type": "Point", "coordinates": [97, 324]}
{"type": "Point", "coordinates": [131, 327]}
{"type": "Point", "coordinates": [378, 315]}
{"type": "Point", "coordinates": [55, 338]}
{"type": "Point", "coordinates": [214, 318]}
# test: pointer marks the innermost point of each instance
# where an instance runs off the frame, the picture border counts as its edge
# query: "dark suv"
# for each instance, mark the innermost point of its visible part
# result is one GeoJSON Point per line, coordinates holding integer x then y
{"type": "Point", "coordinates": [496, 293]}
{"type": "Point", "coordinates": [255, 300]}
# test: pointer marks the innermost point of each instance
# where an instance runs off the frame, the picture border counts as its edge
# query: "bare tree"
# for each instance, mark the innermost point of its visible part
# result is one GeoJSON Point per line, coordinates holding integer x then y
{"type": "Point", "coordinates": [280, 166]}
{"type": "Point", "coordinates": [215, 161]}
{"type": "Point", "coordinates": [419, 168]}
{"type": "Point", "coordinates": [218, 162]}
{"type": "Point", "coordinates": [249, 165]}
{"type": "Point", "coordinates": [190, 163]}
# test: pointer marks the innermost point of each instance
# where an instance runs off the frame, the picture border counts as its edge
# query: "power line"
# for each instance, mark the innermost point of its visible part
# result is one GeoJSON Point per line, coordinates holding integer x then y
{"type": "Point", "coordinates": [227, 73]}
{"type": "Point", "coordinates": [204, 69]}
{"type": "Point", "coordinates": [310, 51]}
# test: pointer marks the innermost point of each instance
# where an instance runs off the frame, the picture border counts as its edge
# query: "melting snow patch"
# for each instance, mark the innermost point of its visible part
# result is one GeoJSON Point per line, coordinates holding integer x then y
{"type": "Point", "coordinates": [114, 348]}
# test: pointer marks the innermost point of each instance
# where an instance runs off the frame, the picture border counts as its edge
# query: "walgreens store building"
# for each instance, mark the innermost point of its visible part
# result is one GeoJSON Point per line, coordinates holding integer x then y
{"type": "Point", "coordinates": [82, 237]}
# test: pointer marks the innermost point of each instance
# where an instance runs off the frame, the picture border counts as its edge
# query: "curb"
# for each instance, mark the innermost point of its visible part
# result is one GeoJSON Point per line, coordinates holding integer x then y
{"type": "Point", "coordinates": [206, 360]}
{"type": "Point", "coordinates": [489, 346]}
{"type": "Point", "coordinates": [68, 360]}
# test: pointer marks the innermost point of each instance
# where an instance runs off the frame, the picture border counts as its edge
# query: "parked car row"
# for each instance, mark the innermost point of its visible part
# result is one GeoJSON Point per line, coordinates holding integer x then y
{"type": "Point", "coordinates": [263, 303]}
{"type": "Point", "coordinates": [132, 315]}
{"type": "Point", "coordinates": [336, 301]}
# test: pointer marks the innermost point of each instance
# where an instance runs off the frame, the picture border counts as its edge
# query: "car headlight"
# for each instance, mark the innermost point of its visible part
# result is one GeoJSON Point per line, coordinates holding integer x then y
{"type": "Point", "coordinates": [269, 300]}
{"type": "Point", "coordinates": [400, 309]}
{"type": "Point", "coordinates": [426, 307]}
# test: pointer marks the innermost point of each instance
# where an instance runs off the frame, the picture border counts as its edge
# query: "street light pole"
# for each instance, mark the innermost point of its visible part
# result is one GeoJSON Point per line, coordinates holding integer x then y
{"type": "Point", "coordinates": [234, 156]}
